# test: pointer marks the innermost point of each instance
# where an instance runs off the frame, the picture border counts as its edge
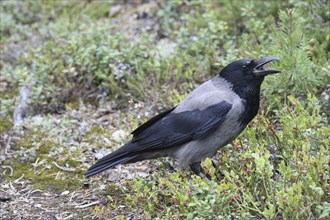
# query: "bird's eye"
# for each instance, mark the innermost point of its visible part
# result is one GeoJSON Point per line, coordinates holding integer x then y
{"type": "Point", "coordinates": [247, 64]}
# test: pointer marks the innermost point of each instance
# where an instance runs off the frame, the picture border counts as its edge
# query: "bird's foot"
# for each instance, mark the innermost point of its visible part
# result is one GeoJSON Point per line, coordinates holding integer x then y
{"type": "Point", "coordinates": [197, 169]}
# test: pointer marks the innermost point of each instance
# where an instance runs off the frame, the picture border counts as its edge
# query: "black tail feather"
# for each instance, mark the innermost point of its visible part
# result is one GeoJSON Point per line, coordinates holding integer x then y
{"type": "Point", "coordinates": [120, 156]}
{"type": "Point", "coordinates": [100, 167]}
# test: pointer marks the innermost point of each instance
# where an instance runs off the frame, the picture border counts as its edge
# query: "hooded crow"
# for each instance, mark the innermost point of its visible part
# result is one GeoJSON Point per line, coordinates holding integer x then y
{"type": "Point", "coordinates": [210, 117]}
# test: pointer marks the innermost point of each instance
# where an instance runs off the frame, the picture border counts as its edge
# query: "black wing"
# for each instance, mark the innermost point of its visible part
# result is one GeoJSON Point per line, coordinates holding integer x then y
{"type": "Point", "coordinates": [178, 128]}
{"type": "Point", "coordinates": [151, 121]}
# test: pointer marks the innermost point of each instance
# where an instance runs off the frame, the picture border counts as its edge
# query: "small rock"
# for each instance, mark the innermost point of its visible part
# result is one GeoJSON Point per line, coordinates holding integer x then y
{"type": "Point", "coordinates": [2, 158]}
{"type": "Point", "coordinates": [102, 187]}
{"type": "Point", "coordinates": [114, 10]}
{"type": "Point", "coordinates": [4, 197]}
{"type": "Point", "coordinates": [37, 205]}
{"type": "Point", "coordinates": [325, 96]}
{"type": "Point", "coordinates": [85, 184]}
{"type": "Point", "coordinates": [118, 135]}
{"type": "Point", "coordinates": [99, 155]}
{"type": "Point", "coordinates": [64, 193]}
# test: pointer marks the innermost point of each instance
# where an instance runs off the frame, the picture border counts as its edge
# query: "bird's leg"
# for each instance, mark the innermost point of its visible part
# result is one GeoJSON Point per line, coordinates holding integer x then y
{"type": "Point", "coordinates": [197, 169]}
{"type": "Point", "coordinates": [219, 170]}
{"type": "Point", "coordinates": [169, 165]}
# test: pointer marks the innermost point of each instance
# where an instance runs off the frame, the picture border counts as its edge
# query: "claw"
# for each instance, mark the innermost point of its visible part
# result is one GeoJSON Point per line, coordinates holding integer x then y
{"type": "Point", "coordinates": [197, 169]}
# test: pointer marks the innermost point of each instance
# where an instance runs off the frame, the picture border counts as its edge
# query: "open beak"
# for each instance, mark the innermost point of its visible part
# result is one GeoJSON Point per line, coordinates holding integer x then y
{"type": "Point", "coordinates": [260, 70]}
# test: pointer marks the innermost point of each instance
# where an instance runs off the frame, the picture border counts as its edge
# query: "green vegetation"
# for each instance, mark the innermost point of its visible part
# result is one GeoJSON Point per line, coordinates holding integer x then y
{"type": "Point", "coordinates": [97, 69]}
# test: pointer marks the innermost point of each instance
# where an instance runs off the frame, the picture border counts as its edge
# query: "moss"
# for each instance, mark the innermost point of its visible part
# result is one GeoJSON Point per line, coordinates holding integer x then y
{"type": "Point", "coordinates": [30, 138]}
{"type": "Point", "coordinates": [73, 103]}
{"type": "Point", "coordinates": [49, 182]}
{"type": "Point", "coordinates": [94, 133]}
{"type": "Point", "coordinates": [45, 147]}
{"type": "Point", "coordinates": [52, 179]}
{"type": "Point", "coordinates": [73, 163]}
{"type": "Point", "coordinates": [96, 130]}
{"type": "Point", "coordinates": [112, 189]}
{"type": "Point", "coordinates": [46, 176]}
{"type": "Point", "coordinates": [21, 169]}
{"type": "Point", "coordinates": [9, 93]}
{"type": "Point", "coordinates": [5, 124]}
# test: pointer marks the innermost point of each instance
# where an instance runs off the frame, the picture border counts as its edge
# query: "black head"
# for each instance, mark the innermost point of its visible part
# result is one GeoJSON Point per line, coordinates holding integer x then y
{"type": "Point", "coordinates": [247, 75]}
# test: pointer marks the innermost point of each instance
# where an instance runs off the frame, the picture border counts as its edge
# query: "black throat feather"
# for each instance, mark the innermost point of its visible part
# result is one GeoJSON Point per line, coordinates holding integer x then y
{"type": "Point", "coordinates": [250, 95]}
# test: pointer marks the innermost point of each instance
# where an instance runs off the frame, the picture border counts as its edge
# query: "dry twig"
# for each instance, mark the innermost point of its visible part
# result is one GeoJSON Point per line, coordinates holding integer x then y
{"type": "Point", "coordinates": [87, 205]}
{"type": "Point", "coordinates": [67, 169]}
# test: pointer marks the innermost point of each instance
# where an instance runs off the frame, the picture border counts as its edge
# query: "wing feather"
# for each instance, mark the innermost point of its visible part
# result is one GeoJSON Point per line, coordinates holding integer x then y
{"type": "Point", "coordinates": [178, 128]}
